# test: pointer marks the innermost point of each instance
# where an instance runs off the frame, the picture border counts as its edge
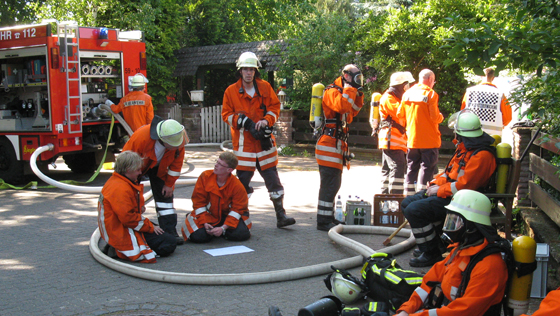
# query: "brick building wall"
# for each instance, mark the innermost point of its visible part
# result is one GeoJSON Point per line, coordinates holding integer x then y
{"type": "Point", "coordinates": [283, 128]}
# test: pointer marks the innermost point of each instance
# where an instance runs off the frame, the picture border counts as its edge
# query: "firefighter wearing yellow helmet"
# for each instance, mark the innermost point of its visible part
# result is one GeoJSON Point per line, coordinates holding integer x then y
{"type": "Point", "coordinates": [162, 147]}
{"type": "Point", "coordinates": [251, 108]}
{"type": "Point", "coordinates": [136, 106]}
{"type": "Point", "coordinates": [392, 134]}
{"type": "Point", "coordinates": [469, 287]}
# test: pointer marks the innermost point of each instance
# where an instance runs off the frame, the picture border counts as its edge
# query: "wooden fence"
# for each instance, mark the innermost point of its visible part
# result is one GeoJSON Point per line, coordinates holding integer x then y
{"type": "Point", "coordinates": [213, 128]}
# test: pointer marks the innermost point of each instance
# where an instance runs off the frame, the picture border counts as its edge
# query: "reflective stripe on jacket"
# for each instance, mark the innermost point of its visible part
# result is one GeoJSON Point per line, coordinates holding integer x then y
{"type": "Point", "coordinates": [137, 109]}
{"type": "Point", "coordinates": [490, 105]}
{"type": "Point", "coordinates": [347, 104]}
{"type": "Point", "coordinates": [419, 109]}
{"type": "Point", "coordinates": [120, 219]}
{"type": "Point", "coordinates": [245, 146]}
{"type": "Point", "coordinates": [211, 203]}
{"type": "Point", "coordinates": [388, 106]}
{"type": "Point", "coordinates": [475, 173]}
{"type": "Point", "coordinates": [485, 288]}
{"type": "Point", "coordinates": [171, 163]}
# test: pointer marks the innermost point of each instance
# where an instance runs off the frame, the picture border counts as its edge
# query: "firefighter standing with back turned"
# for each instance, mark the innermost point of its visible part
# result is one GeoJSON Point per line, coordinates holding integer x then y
{"type": "Point", "coordinates": [251, 108]}
{"type": "Point", "coordinates": [392, 134]}
{"type": "Point", "coordinates": [342, 101]}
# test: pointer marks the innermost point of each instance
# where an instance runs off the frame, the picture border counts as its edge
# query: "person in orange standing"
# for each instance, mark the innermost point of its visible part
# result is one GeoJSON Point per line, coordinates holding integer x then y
{"type": "Point", "coordinates": [220, 205]}
{"type": "Point", "coordinates": [342, 100]}
{"type": "Point", "coordinates": [419, 109]}
{"type": "Point", "coordinates": [489, 104]}
{"type": "Point", "coordinates": [392, 134]}
{"type": "Point", "coordinates": [120, 215]}
{"type": "Point", "coordinates": [136, 106]}
{"type": "Point", "coordinates": [251, 108]}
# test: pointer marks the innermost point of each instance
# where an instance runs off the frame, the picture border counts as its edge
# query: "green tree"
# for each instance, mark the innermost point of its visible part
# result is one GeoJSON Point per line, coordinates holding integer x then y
{"type": "Point", "coordinates": [14, 12]}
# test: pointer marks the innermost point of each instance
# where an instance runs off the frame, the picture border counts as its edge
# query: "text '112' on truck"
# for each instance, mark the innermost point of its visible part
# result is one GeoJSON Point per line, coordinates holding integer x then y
{"type": "Point", "coordinates": [53, 77]}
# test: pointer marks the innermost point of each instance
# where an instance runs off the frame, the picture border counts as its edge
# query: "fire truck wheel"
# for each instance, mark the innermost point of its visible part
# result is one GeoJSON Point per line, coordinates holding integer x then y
{"type": "Point", "coordinates": [81, 163]}
{"type": "Point", "coordinates": [11, 170]}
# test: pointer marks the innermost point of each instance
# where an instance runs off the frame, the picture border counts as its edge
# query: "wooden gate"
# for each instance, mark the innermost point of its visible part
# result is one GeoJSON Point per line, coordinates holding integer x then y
{"type": "Point", "coordinates": [214, 129]}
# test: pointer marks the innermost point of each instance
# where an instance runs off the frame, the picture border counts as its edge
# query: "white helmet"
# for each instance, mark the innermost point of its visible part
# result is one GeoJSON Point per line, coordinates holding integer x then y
{"type": "Point", "coordinates": [139, 80]}
{"type": "Point", "coordinates": [346, 290]}
{"type": "Point", "coordinates": [171, 132]}
{"type": "Point", "coordinates": [401, 77]}
{"type": "Point", "coordinates": [248, 59]}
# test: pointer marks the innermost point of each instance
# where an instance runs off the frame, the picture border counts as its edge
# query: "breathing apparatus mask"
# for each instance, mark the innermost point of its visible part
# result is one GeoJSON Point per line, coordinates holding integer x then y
{"type": "Point", "coordinates": [454, 228]}
{"type": "Point", "coordinates": [357, 79]}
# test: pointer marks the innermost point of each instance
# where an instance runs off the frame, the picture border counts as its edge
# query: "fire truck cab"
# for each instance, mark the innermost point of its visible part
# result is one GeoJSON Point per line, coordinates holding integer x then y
{"type": "Point", "coordinates": [52, 78]}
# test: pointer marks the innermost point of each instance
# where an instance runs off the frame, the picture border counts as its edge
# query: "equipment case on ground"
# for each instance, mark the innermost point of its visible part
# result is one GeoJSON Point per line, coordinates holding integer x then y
{"type": "Point", "coordinates": [387, 210]}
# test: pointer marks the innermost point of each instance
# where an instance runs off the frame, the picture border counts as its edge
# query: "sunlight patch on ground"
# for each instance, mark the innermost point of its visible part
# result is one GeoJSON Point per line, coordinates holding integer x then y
{"type": "Point", "coordinates": [12, 264]}
{"type": "Point", "coordinates": [18, 220]}
{"type": "Point", "coordinates": [76, 212]}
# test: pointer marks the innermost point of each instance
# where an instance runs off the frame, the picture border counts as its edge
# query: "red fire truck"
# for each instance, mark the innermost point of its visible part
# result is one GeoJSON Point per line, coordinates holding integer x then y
{"type": "Point", "coordinates": [53, 77]}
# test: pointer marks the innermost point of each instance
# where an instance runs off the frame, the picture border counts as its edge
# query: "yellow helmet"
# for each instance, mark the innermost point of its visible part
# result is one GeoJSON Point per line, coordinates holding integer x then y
{"type": "Point", "coordinates": [171, 132]}
{"type": "Point", "coordinates": [248, 59]}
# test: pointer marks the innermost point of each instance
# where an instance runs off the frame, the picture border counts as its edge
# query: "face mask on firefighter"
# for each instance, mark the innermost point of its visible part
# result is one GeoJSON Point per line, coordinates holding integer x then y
{"type": "Point", "coordinates": [356, 78]}
{"type": "Point", "coordinates": [453, 228]}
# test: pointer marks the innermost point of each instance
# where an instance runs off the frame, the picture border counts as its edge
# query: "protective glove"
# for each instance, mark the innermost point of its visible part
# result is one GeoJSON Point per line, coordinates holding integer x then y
{"type": "Point", "coordinates": [266, 140]}
{"type": "Point", "coordinates": [109, 102]}
{"type": "Point", "coordinates": [245, 122]}
{"type": "Point", "coordinates": [267, 131]}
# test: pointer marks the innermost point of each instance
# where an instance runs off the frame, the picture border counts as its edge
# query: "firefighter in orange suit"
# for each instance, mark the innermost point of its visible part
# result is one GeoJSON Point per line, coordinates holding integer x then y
{"type": "Point", "coordinates": [342, 100]}
{"type": "Point", "coordinates": [120, 219]}
{"type": "Point", "coordinates": [162, 145]}
{"type": "Point", "coordinates": [467, 226]}
{"type": "Point", "coordinates": [251, 108]}
{"type": "Point", "coordinates": [392, 134]}
{"type": "Point", "coordinates": [220, 205]}
{"type": "Point", "coordinates": [550, 305]}
{"type": "Point", "coordinates": [489, 104]}
{"type": "Point", "coordinates": [471, 167]}
{"type": "Point", "coordinates": [419, 109]}
{"type": "Point", "coordinates": [136, 106]}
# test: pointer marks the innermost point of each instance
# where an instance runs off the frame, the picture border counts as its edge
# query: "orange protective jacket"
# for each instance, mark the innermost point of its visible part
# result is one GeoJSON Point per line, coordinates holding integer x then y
{"type": "Point", "coordinates": [245, 146]}
{"type": "Point", "coordinates": [550, 305]}
{"type": "Point", "coordinates": [485, 288]}
{"type": "Point", "coordinates": [120, 219]}
{"type": "Point", "coordinates": [211, 203]}
{"type": "Point", "coordinates": [388, 106]}
{"type": "Point", "coordinates": [475, 173]}
{"type": "Point", "coordinates": [137, 109]}
{"type": "Point", "coordinates": [505, 108]}
{"type": "Point", "coordinates": [171, 163]}
{"type": "Point", "coordinates": [419, 109]}
{"type": "Point", "coordinates": [329, 150]}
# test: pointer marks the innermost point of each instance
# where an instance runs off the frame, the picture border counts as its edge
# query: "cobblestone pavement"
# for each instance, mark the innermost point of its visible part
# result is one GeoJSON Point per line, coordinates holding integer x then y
{"type": "Point", "coordinates": [47, 269]}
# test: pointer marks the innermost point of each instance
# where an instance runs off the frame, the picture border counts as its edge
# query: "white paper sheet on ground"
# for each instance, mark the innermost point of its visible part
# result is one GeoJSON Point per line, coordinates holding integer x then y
{"type": "Point", "coordinates": [228, 251]}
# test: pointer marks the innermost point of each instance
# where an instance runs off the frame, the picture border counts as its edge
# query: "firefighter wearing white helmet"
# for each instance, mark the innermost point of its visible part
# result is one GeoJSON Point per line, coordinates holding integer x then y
{"type": "Point", "coordinates": [392, 134]}
{"type": "Point", "coordinates": [471, 167]}
{"type": "Point", "coordinates": [250, 107]}
{"type": "Point", "coordinates": [162, 146]}
{"type": "Point", "coordinates": [468, 290]}
{"type": "Point", "coordinates": [136, 106]}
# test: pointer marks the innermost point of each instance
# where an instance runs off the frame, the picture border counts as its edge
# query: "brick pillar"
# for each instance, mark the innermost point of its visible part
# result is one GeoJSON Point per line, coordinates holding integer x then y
{"type": "Point", "coordinates": [191, 120]}
{"type": "Point", "coordinates": [521, 138]}
{"type": "Point", "coordinates": [283, 128]}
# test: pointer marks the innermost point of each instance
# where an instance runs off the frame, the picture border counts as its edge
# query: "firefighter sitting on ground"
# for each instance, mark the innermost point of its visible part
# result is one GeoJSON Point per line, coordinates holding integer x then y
{"type": "Point", "coordinates": [392, 134]}
{"type": "Point", "coordinates": [467, 226]}
{"type": "Point", "coordinates": [136, 106]}
{"type": "Point", "coordinates": [219, 205]}
{"type": "Point", "coordinates": [162, 145]}
{"type": "Point", "coordinates": [342, 101]}
{"type": "Point", "coordinates": [120, 215]}
{"type": "Point", "coordinates": [471, 167]}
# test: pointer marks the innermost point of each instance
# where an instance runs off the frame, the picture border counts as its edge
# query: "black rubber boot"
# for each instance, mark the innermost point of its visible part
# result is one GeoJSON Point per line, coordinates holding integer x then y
{"type": "Point", "coordinates": [169, 224]}
{"type": "Point", "coordinates": [281, 219]}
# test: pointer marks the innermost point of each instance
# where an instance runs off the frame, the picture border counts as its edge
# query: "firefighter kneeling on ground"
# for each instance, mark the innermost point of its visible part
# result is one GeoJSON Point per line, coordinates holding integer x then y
{"type": "Point", "coordinates": [129, 235]}
{"type": "Point", "coordinates": [471, 167]}
{"type": "Point", "coordinates": [220, 205]}
{"type": "Point", "coordinates": [446, 289]}
{"type": "Point", "coordinates": [342, 101]}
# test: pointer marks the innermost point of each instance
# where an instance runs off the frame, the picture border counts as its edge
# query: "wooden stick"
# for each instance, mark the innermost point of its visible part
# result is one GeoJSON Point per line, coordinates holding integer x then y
{"type": "Point", "coordinates": [388, 240]}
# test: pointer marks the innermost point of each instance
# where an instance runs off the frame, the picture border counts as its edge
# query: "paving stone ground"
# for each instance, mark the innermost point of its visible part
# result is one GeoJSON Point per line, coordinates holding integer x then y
{"type": "Point", "coordinates": [47, 269]}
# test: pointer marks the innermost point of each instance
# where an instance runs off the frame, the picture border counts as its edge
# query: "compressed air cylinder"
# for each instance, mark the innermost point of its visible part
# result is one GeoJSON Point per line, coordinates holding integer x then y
{"type": "Point", "coordinates": [316, 109]}
{"type": "Point", "coordinates": [497, 140]}
{"type": "Point", "coordinates": [524, 251]}
{"type": "Point", "coordinates": [503, 150]}
{"type": "Point", "coordinates": [374, 112]}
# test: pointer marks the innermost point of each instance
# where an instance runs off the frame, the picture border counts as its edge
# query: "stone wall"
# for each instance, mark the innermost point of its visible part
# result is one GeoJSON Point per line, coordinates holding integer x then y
{"type": "Point", "coordinates": [283, 128]}
{"type": "Point", "coordinates": [191, 120]}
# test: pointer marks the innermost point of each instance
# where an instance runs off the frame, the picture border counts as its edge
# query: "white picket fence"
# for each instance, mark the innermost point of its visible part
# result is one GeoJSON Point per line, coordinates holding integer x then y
{"type": "Point", "coordinates": [175, 113]}
{"type": "Point", "coordinates": [214, 129]}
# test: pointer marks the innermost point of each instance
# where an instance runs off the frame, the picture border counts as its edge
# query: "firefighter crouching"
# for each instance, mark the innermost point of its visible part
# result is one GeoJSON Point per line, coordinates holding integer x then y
{"type": "Point", "coordinates": [392, 134]}
{"type": "Point", "coordinates": [129, 235]}
{"type": "Point", "coordinates": [251, 108]}
{"type": "Point", "coordinates": [461, 285]}
{"type": "Point", "coordinates": [342, 101]}
{"type": "Point", "coordinates": [162, 145]}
